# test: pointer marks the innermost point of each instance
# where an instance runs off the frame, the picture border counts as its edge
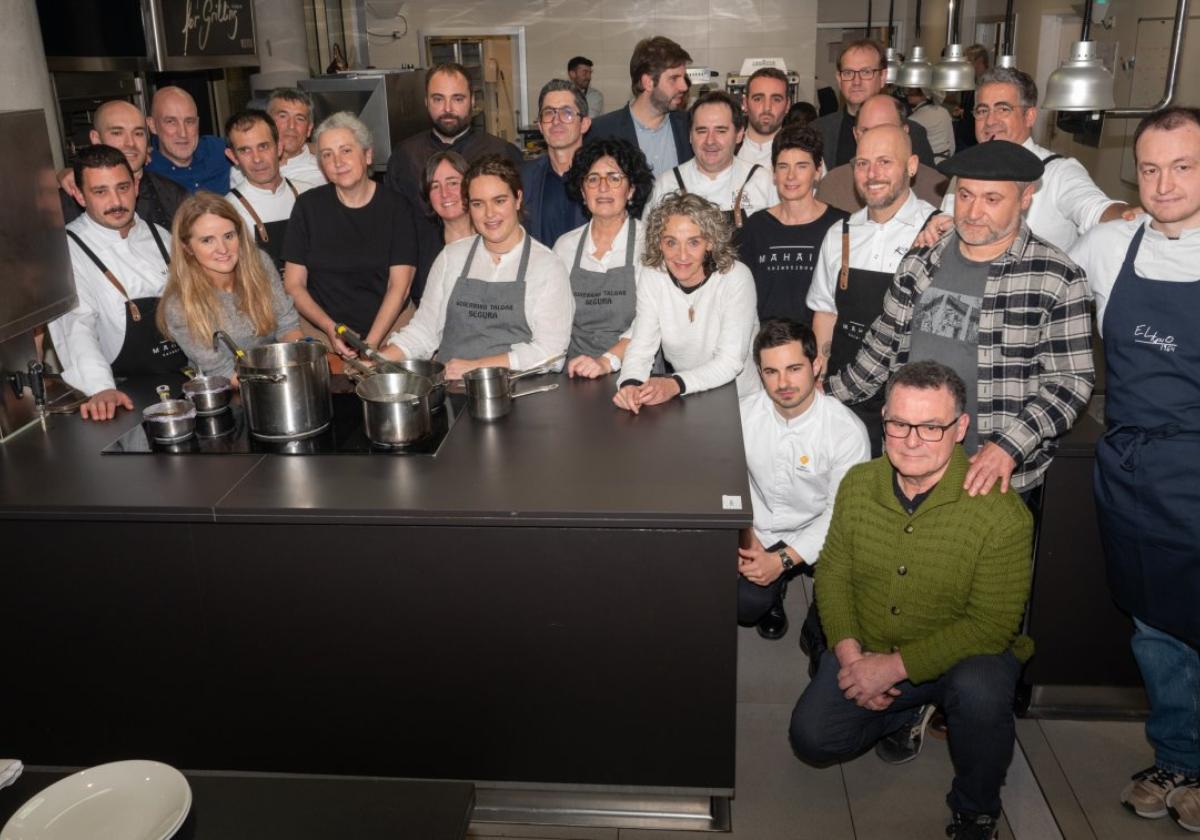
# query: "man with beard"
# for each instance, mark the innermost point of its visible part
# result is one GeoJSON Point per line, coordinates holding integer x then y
{"type": "Point", "coordinates": [579, 71]}
{"type": "Point", "coordinates": [265, 198]}
{"type": "Point", "coordinates": [119, 263]}
{"type": "Point", "coordinates": [654, 120]}
{"type": "Point", "coordinates": [1006, 310]}
{"type": "Point", "coordinates": [291, 109]}
{"type": "Point", "coordinates": [766, 103]}
{"type": "Point", "coordinates": [799, 445]}
{"type": "Point", "coordinates": [858, 258]}
{"type": "Point", "coordinates": [193, 160]}
{"type": "Point", "coordinates": [121, 125]}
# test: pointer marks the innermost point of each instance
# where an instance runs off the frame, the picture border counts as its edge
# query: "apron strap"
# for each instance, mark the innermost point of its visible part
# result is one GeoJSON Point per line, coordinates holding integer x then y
{"type": "Point", "coordinates": [470, 257]}
{"type": "Point", "coordinates": [1051, 158]}
{"type": "Point", "coordinates": [737, 202]}
{"type": "Point", "coordinates": [1132, 250]}
{"type": "Point", "coordinates": [587, 233]}
{"type": "Point", "coordinates": [162, 249]}
{"type": "Point", "coordinates": [258, 222]}
{"type": "Point", "coordinates": [1140, 436]}
{"type": "Point", "coordinates": [524, 259]}
{"type": "Point", "coordinates": [134, 312]}
{"type": "Point", "coordinates": [292, 187]}
{"type": "Point", "coordinates": [630, 240]}
{"type": "Point", "coordinates": [844, 274]}
{"type": "Point", "coordinates": [679, 180]}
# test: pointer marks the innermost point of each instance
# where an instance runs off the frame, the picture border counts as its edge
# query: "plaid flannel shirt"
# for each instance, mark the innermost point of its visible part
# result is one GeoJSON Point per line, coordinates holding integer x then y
{"type": "Point", "coordinates": [1035, 347]}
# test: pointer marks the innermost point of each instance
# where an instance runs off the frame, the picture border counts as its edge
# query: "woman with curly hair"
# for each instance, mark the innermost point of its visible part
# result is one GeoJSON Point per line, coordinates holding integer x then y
{"type": "Point", "coordinates": [219, 280]}
{"type": "Point", "coordinates": [695, 300]}
{"type": "Point", "coordinates": [612, 181]}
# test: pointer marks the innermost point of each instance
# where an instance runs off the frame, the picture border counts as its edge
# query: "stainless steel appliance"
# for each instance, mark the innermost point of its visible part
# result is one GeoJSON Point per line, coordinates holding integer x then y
{"type": "Point", "coordinates": [390, 102]}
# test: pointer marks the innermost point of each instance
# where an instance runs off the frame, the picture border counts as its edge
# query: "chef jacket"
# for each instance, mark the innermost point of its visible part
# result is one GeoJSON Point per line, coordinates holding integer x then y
{"type": "Point", "coordinates": [721, 190]}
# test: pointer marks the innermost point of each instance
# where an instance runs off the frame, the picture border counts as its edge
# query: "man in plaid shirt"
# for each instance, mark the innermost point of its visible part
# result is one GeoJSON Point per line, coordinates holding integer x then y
{"type": "Point", "coordinates": [1006, 310]}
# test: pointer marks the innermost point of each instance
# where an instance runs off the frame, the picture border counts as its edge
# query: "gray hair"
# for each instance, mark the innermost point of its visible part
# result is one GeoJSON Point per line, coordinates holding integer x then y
{"type": "Point", "coordinates": [1022, 81]}
{"type": "Point", "coordinates": [346, 120]}
{"type": "Point", "coordinates": [928, 375]}
{"type": "Point", "coordinates": [290, 94]}
{"type": "Point", "coordinates": [563, 85]}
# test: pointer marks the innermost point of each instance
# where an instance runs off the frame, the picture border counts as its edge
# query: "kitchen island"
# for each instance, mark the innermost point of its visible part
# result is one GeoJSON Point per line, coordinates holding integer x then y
{"type": "Point", "coordinates": [549, 603]}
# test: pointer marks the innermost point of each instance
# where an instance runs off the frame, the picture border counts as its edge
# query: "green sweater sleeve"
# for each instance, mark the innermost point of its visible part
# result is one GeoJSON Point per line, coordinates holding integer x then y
{"type": "Point", "coordinates": [999, 591]}
{"type": "Point", "coordinates": [834, 574]}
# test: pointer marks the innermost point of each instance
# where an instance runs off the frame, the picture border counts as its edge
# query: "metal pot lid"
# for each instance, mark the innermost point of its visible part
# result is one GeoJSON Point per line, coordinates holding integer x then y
{"type": "Point", "coordinates": [207, 385]}
{"type": "Point", "coordinates": [169, 410]}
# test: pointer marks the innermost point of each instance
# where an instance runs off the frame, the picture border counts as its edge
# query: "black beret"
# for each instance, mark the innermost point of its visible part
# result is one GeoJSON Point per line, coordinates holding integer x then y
{"type": "Point", "coordinates": [995, 160]}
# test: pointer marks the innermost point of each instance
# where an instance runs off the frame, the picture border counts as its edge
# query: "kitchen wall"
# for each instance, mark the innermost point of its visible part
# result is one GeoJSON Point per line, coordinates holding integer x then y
{"type": "Point", "coordinates": [24, 80]}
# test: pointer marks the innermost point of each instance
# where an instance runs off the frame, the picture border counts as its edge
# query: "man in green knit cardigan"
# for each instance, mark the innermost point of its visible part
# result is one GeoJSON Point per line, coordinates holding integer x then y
{"type": "Point", "coordinates": [921, 588]}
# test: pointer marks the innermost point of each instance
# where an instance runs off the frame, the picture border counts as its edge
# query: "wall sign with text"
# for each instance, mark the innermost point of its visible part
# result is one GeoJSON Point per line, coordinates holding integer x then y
{"type": "Point", "coordinates": [201, 34]}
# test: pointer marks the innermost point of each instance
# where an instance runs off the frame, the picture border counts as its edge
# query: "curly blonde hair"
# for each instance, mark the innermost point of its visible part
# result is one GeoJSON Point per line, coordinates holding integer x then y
{"type": "Point", "coordinates": [707, 216]}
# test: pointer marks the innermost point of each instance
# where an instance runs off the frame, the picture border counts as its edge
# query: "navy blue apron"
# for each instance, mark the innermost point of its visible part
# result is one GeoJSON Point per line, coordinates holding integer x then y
{"type": "Point", "coordinates": [1147, 490]}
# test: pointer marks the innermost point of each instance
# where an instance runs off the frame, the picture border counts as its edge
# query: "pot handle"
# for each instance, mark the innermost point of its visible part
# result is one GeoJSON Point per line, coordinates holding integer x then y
{"type": "Point", "coordinates": [164, 393]}
{"type": "Point", "coordinates": [538, 390]}
{"type": "Point", "coordinates": [544, 366]}
{"type": "Point", "coordinates": [271, 378]}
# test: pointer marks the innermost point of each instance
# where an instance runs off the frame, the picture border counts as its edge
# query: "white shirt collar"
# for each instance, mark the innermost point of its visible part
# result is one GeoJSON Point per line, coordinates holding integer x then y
{"type": "Point", "coordinates": [910, 213]}
{"type": "Point", "coordinates": [96, 231]}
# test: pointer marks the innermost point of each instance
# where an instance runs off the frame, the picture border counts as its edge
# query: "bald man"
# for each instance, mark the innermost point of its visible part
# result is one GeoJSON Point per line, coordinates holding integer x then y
{"type": "Point", "coordinates": [837, 187]}
{"type": "Point", "coordinates": [179, 151]}
{"type": "Point", "coordinates": [845, 304]}
{"type": "Point", "coordinates": [121, 125]}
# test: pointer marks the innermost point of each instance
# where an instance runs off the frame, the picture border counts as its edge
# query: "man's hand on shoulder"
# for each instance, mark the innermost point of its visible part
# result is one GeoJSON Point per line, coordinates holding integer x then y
{"type": "Point", "coordinates": [934, 230]}
{"type": "Point", "coordinates": [988, 464]}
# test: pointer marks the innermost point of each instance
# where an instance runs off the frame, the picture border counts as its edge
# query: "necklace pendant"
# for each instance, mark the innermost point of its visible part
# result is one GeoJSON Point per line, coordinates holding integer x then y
{"type": "Point", "coordinates": [691, 314]}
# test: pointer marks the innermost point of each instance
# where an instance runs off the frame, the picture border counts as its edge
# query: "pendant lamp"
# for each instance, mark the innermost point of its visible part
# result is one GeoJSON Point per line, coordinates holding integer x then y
{"type": "Point", "coordinates": [1006, 58]}
{"type": "Point", "coordinates": [953, 73]}
{"type": "Point", "coordinates": [916, 72]}
{"type": "Point", "coordinates": [1082, 83]}
{"type": "Point", "coordinates": [892, 64]}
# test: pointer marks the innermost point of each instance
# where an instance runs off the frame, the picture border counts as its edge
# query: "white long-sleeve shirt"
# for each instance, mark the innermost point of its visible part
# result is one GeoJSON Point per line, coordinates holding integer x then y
{"type": "Point", "coordinates": [1101, 251]}
{"type": "Point", "coordinates": [271, 206]}
{"type": "Point", "coordinates": [88, 339]}
{"type": "Point", "coordinates": [707, 350]}
{"type": "Point", "coordinates": [721, 190]}
{"type": "Point", "coordinates": [873, 247]}
{"type": "Point", "coordinates": [549, 304]}
{"type": "Point", "coordinates": [303, 170]}
{"type": "Point", "coordinates": [796, 466]}
{"type": "Point", "coordinates": [566, 245]}
{"type": "Point", "coordinates": [1066, 204]}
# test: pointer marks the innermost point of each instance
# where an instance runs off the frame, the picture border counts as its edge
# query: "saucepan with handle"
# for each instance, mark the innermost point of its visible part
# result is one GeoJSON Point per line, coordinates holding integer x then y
{"type": "Point", "coordinates": [285, 387]}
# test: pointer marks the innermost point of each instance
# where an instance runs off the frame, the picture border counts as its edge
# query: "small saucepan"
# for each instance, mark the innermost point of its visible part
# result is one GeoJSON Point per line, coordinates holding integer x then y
{"type": "Point", "coordinates": [490, 393]}
{"type": "Point", "coordinates": [435, 372]}
{"type": "Point", "coordinates": [395, 408]}
{"type": "Point", "coordinates": [210, 394]}
{"type": "Point", "coordinates": [169, 421]}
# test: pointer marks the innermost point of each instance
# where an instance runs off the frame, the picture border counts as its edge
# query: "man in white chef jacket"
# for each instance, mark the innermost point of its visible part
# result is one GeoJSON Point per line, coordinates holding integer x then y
{"type": "Point", "coordinates": [799, 445]}
{"type": "Point", "coordinates": [120, 265]}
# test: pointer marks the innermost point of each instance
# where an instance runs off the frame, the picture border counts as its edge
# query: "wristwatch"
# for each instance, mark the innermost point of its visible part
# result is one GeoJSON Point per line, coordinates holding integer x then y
{"type": "Point", "coordinates": [788, 562]}
{"type": "Point", "coordinates": [614, 361]}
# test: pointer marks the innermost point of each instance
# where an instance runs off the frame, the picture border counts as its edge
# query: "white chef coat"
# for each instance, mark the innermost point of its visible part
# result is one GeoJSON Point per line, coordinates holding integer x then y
{"type": "Point", "coordinates": [754, 152]}
{"type": "Point", "coordinates": [1066, 204]}
{"type": "Point", "coordinates": [88, 339]}
{"type": "Point", "coordinates": [1101, 251]}
{"type": "Point", "coordinates": [721, 190]}
{"type": "Point", "coordinates": [549, 304]}
{"type": "Point", "coordinates": [796, 466]}
{"type": "Point", "coordinates": [873, 247]}
{"type": "Point", "coordinates": [707, 350]}
{"type": "Point", "coordinates": [303, 170]}
{"type": "Point", "coordinates": [567, 244]}
{"type": "Point", "coordinates": [271, 206]}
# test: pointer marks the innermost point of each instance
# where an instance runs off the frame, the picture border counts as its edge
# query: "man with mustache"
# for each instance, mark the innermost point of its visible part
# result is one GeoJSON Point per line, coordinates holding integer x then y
{"type": "Point", "coordinates": [859, 257]}
{"type": "Point", "coordinates": [765, 103]}
{"type": "Point", "coordinates": [119, 264]}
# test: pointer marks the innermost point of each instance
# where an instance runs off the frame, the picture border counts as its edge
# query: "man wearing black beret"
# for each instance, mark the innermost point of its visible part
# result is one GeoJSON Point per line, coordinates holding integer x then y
{"type": "Point", "coordinates": [1006, 310]}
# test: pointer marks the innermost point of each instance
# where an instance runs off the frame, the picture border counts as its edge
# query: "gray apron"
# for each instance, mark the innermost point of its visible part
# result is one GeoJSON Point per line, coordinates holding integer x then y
{"type": "Point", "coordinates": [482, 318]}
{"type": "Point", "coordinates": [604, 300]}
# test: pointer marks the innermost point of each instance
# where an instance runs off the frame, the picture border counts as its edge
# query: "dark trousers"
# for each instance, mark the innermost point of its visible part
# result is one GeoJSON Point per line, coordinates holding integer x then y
{"type": "Point", "coordinates": [755, 600]}
{"type": "Point", "coordinates": [977, 696]}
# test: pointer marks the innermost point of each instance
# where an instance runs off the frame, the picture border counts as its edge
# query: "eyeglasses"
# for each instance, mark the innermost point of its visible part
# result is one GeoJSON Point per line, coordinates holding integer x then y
{"type": "Point", "coordinates": [928, 432]}
{"type": "Point", "coordinates": [865, 74]}
{"type": "Point", "coordinates": [1001, 110]}
{"type": "Point", "coordinates": [565, 114]}
{"type": "Point", "coordinates": [614, 179]}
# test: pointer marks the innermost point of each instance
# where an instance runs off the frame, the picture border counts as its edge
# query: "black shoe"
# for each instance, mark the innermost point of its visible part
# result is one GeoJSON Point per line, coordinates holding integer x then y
{"type": "Point", "coordinates": [973, 827]}
{"type": "Point", "coordinates": [773, 625]}
{"type": "Point", "coordinates": [905, 743]}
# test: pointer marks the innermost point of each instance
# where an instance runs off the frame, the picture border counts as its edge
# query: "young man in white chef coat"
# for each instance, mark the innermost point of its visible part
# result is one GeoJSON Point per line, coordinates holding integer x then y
{"type": "Point", "coordinates": [799, 444]}
{"type": "Point", "coordinates": [120, 266]}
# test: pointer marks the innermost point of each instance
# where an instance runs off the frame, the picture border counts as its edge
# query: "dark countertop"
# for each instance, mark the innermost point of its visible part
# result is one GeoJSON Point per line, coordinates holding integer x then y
{"type": "Point", "coordinates": [563, 458]}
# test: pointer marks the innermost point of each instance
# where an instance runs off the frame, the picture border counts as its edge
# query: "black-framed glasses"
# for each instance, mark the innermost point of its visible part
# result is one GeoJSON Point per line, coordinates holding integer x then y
{"type": "Point", "coordinates": [1000, 109]}
{"type": "Point", "coordinates": [565, 114]}
{"type": "Point", "coordinates": [928, 432]}
{"type": "Point", "coordinates": [614, 179]}
{"type": "Point", "coordinates": [866, 74]}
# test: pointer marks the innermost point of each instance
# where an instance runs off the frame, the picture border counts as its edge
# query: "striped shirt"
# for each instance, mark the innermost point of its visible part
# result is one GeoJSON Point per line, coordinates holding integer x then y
{"type": "Point", "coordinates": [1035, 347]}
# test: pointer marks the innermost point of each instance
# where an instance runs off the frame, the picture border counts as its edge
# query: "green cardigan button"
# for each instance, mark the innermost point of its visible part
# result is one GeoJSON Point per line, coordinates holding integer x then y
{"type": "Point", "coordinates": [902, 571]}
{"type": "Point", "coordinates": [895, 611]}
{"type": "Point", "coordinates": [908, 529]}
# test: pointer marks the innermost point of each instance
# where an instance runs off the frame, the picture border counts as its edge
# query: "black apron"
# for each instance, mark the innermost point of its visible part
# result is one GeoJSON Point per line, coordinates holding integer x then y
{"type": "Point", "coordinates": [268, 235]}
{"type": "Point", "coordinates": [734, 216]}
{"type": "Point", "coordinates": [858, 297]}
{"type": "Point", "coordinates": [144, 351]}
{"type": "Point", "coordinates": [604, 300]}
{"type": "Point", "coordinates": [1147, 492]}
{"type": "Point", "coordinates": [484, 318]}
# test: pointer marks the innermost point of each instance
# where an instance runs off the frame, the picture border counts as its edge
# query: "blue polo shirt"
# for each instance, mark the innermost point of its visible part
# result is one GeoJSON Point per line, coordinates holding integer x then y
{"type": "Point", "coordinates": [209, 169]}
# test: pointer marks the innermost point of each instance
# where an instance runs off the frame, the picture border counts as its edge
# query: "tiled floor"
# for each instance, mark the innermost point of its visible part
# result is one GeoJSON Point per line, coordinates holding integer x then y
{"type": "Point", "coordinates": [1063, 783]}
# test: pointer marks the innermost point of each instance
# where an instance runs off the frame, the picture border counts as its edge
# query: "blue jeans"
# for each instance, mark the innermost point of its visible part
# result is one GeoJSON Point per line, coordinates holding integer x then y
{"type": "Point", "coordinates": [1171, 671]}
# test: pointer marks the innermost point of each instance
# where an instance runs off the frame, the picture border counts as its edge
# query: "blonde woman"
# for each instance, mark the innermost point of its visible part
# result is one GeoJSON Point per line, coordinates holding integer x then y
{"type": "Point", "coordinates": [695, 300]}
{"type": "Point", "coordinates": [219, 280]}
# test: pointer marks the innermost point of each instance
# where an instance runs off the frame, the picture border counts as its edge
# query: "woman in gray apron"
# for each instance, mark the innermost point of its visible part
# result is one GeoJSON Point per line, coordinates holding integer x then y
{"type": "Point", "coordinates": [221, 281]}
{"type": "Point", "coordinates": [497, 299]}
{"type": "Point", "coordinates": [611, 179]}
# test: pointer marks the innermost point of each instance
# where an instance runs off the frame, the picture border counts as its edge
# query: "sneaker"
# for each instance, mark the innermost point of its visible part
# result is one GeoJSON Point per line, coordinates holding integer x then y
{"type": "Point", "coordinates": [1183, 803]}
{"type": "Point", "coordinates": [973, 827]}
{"type": "Point", "coordinates": [1147, 794]}
{"type": "Point", "coordinates": [905, 743]}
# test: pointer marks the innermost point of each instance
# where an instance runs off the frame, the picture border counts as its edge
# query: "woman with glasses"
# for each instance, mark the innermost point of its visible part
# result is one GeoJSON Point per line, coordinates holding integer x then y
{"type": "Point", "coordinates": [612, 180]}
{"type": "Point", "coordinates": [550, 211]}
{"type": "Point", "coordinates": [695, 300]}
{"type": "Point", "coordinates": [494, 299]}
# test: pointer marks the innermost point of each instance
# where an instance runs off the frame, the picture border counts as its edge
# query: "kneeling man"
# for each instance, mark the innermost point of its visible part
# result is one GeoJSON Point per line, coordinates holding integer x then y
{"type": "Point", "coordinates": [921, 588]}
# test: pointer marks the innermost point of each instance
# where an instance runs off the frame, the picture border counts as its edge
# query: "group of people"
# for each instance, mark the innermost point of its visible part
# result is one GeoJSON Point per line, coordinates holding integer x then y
{"type": "Point", "coordinates": [867, 297]}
